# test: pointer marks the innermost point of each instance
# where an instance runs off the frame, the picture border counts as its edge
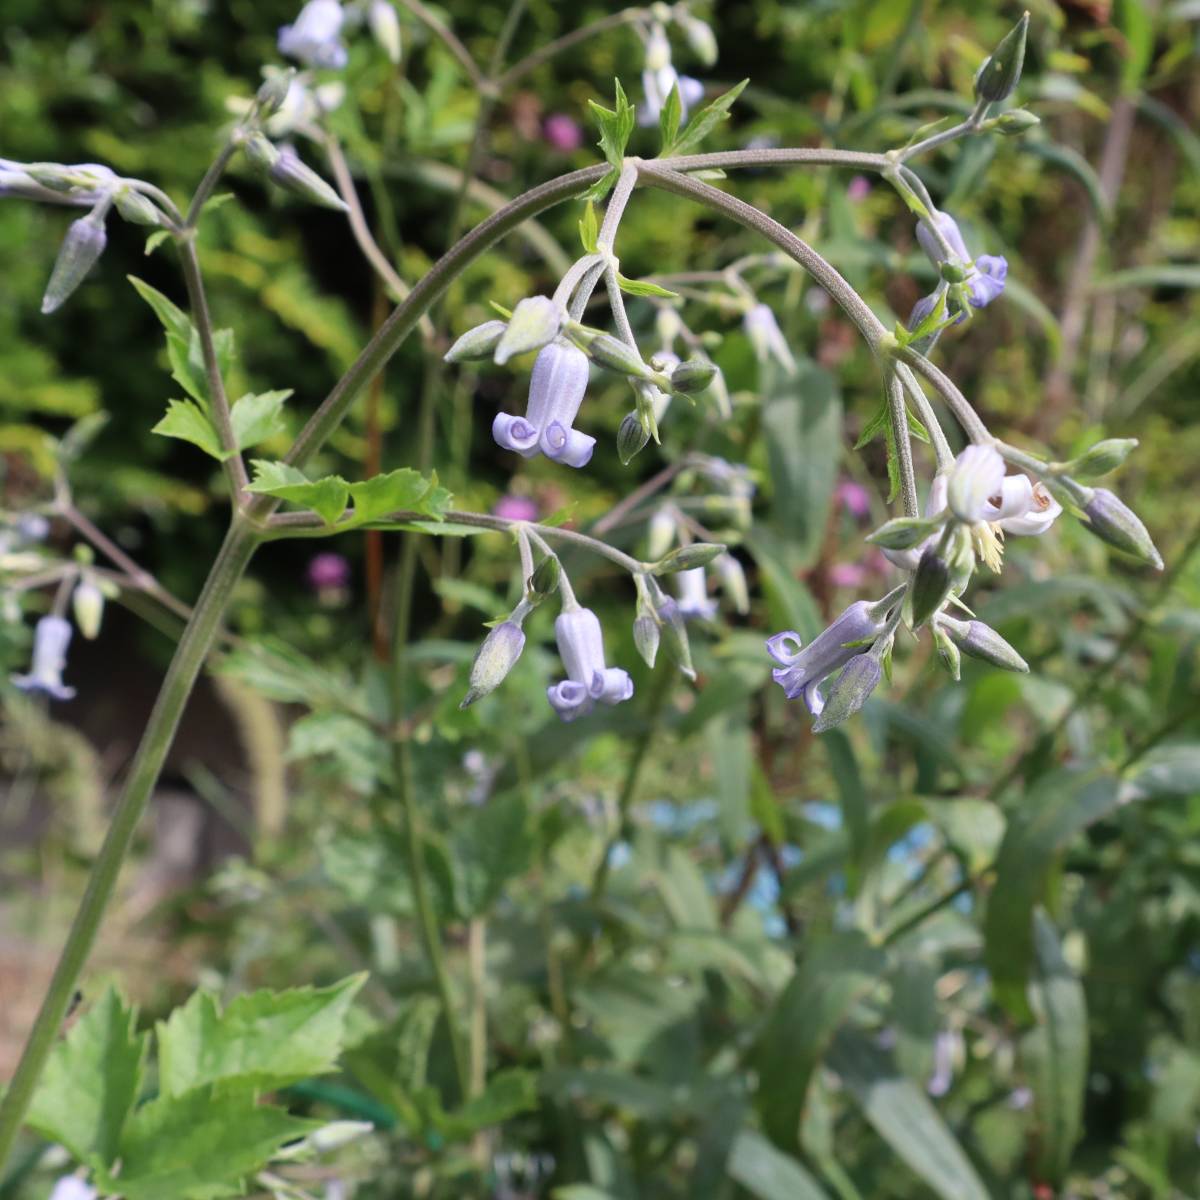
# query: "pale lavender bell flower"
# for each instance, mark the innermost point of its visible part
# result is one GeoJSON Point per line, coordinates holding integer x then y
{"type": "Point", "coordinates": [314, 39]}
{"type": "Point", "coordinates": [51, 637]}
{"type": "Point", "coordinates": [556, 388]}
{"type": "Point", "coordinates": [694, 600]}
{"type": "Point", "coordinates": [767, 338]}
{"type": "Point", "coordinates": [659, 77]}
{"type": "Point", "coordinates": [589, 681]}
{"type": "Point", "coordinates": [991, 270]}
{"type": "Point", "coordinates": [802, 668]}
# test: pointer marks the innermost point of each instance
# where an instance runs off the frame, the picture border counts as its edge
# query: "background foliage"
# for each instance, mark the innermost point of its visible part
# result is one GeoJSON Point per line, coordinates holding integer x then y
{"type": "Point", "coordinates": [949, 951]}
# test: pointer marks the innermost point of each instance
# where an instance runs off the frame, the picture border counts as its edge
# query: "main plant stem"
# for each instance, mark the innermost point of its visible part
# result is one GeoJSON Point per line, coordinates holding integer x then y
{"type": "Point", "coordinates": [193, 648]}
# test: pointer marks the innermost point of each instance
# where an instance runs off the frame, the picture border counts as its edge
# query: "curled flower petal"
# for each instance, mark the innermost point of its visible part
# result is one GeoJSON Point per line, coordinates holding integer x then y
{"type": "Point", "coordinates": [515, 433]}
{"type": "Point", "coordinates": [1042, 512]}
{"type": "Point", "coordinates": [977, 475]}
{"type": "Point", "coordinates": [777, 647]}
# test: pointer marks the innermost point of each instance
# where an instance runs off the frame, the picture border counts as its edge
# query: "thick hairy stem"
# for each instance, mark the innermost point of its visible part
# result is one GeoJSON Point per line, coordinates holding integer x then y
{"type": "Point", "coordinates": [193, 648]}
{"type": "Point", "coordinates": [820, 269]}
{"type": "Point", "coordinates": [941, 447]}
{"type": "Point", "coordinates": [898, 412]}
{"type": "Point", "coordinates": [235, 468]}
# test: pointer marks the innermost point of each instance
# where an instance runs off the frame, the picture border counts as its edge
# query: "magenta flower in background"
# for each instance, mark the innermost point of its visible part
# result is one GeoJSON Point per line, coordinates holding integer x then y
{"type": "Point", "coordinates": [562, 133]}
{"type": "Point", "coordinates": [859, 188]}
{"type": "Point", "coordinates": [516, 508]}
{"type": "Point", "coordinates": [847, 575]}
{"type": "Point", "coordinates": [328, 572]}
{"type": "Point", "coordinates": [854, 498]}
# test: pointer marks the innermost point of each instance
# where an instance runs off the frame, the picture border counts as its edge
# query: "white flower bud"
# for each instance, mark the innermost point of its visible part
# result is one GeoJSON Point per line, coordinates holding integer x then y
{"type": "Point", "coordinates": [87, 603]}
{"type": "Point", "coordinates": [385, 27]}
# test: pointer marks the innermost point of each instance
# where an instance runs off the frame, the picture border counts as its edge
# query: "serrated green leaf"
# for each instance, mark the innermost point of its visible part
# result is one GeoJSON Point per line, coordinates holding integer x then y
{"type": "Point", "coordinates": [834, 975]}
{"type": "Point", "coordinates": [91, 1082]}
{"type": "Point", "coordinates": [173, 319]}
{"type": "Point", "coordinates": [186, 420]}
{"type": "Point", "coordinates": [616, 124]}
{"type": "Point", "coordinates": [258, 417]}
{"type": "Point", "coordinates": [396, 491]}
{"type": "Point", "coordinates": [768, 1173]}
{"type": "Point", "coordinates": [602, 186]}
{"type": "Point", "coordinates": [1056, 1051]}
{"type": "Point", "coordinates": [669, 118]}
{"type": "Point", "coordinates": [707, 119]}
{"type": "Point", "coordinates": [198, 1146]}
{"type": "Point", "coordinates": [641, 287]}
{"type": "Point", "coordinates": [326, 497]}
{"type": "Point", "coordinates": [589, 228]}
{"type": "Point", "coordinates": [508, 1093]}
{"type": "Point", "coordinates": [263, 1039]}
{"type": "Point", "coordinates": [1058, 808]}
{"type": "Point", "coordinates": [904, 1117]}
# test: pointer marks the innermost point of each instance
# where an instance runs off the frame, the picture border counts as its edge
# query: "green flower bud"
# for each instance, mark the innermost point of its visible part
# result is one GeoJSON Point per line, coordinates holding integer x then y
{"type": "Point", "coordinates": [1114, 522]}
{"type": "Point", "coordinates": [544, 580]}
{"type": "Point", "coordinates": [687, 558]}
{"type": "Point", "coordinates": [674, 635]}
{"type": "Point", "coordinates": [849, 691]}
{"type": "Point", "coordinates": [632, 438]}
{"type": "Point", "coordinates": [700, 37]}
{"type": "Point", "coordinates": [999, 75]}
{"type": "Point", "coordinates": [983, 642]}
{"type": "Point", "coordinates": [294, 175]}
{"type": "Point", "coordinates": [617, 356]}
{"type": "Point", "coordinates": [87, 603]}
{"type": "Point", "coordinates": [535, 322]}
{"type": "Point", "coordinates": [1014, 123]}
{"type": "Point", "coordinates": [81, 248]}
{"type": "Point", "coordinates": [136, 208]}
{"type": "Point", "coordinates": [261, 153]}
{"type": "Point", "coordinates": [646, 637]}
{"type": "Point", "coordinates": [273, 93]}
{"type": "Point", "coordinates": [693, 376]}
{"type": "Point", "coordinates": [495, 658]}
{"type": "Point", "coordinates": [930, 586]}
{"type": "Point", "coordinates": [948, 652]}
{"type": "Point", "coordinates": [476, 344]}
{"type": "Point", "coordinates": [1101, 458]}
{"type": "Point", "coordinates": [902, 533]}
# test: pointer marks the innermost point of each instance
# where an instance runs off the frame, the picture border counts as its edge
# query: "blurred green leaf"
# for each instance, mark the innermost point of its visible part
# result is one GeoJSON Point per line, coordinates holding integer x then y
{"type": "Point", "coordinates": [769, 1174]}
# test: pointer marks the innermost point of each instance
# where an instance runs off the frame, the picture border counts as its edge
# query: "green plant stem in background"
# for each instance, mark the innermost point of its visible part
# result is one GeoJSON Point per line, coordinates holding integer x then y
{"type": "Point", "coordinates": [193, 648]}
{"type": "Point", "coordinates": [658, 698]}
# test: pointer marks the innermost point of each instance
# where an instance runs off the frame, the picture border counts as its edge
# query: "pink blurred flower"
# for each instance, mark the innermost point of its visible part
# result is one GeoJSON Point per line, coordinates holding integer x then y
{"type": "Point", "coordinates": [847, 575]}
{"type": "Point", "coordinates": [562, 133]}
{"type": "Point", "coordinates": [859, 188]}
{"type": "Point", "coordinates": [516, 508]}
{"type": "Point", "coordinates": [328, 572]}
{"type": "Point", "coordinates": [854, 498]}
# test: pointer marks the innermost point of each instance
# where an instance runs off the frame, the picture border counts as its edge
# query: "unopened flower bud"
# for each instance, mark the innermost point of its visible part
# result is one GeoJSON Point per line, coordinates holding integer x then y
{"type": "Point", "coordinates": [1014, 123]}
{"type": "Point", "coordinates": [948, 652]}
{"type": "Point", "coordinates": [294, 175]}
{"type": "Point", "coordinates": [544, 580]}
{"type": "Point", "coordinates": [999, 75]}
{"type": "Point", "coordinates": [849, 691]}
{"type": "Point", "coordinates": [733, 581]}
{"type": "Point", "coordinates": [54, 176]}
{"type": "Point", "coordinates": [700, 37]}
{"type": "Point", "coordinates": [617, 356]}
{"type": "Point", "coordinates": [385, 27]}
{"type": "Point", "coordinates": [1115, 523]}
{"type": "Point", "coordinates": [687, 558]}
{"type": "Point", "coordinates": [261, 153]}
{"type": "Point", "coordinates": [1101, 458]}
{"type": "Point", "coordinates": [495, 658]}
{"type": "Point", "coordinates": [646, 636]}
{"type": "Point", "coordinates": [632, 438]}
{"type": "Point", "coordinates": [902, 533]}
{"type": "Point", "coordinates": [83, 245]}
{"type": "Point", "coordinates": [675, 636]}
{"type": "Point", "coordinates": [478, 343]}
{"type": "Point", "coordinates": [930, 586]}
{"type": "Point", "coordinates": [87, 602]}
{"type": "Point", "coordinates": [693, 376]}
{"type": "Point", "coordinates": [983, 642]}
{"type": "Point", "coordinates": [273, 93]}
{"type": "Point", "coordinates": [954, 272]}
{"type": "Point", "coordinates": [136, 208]}
{"type": "Point", "coordinates": [536, 322]}
{"type": "Point", "coordinates": [661, 532]}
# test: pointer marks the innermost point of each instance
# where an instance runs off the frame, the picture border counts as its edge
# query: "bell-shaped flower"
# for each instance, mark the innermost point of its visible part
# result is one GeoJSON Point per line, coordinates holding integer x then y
{"type": "Point", "coordinates": [589, 681]}
{"type": "Point", "coordinates": [51, 638]}
{"type": "Point", "coordinates": [694, 600]}
{"type": "Point", "coordinates": [1023, 507]}
{"type": "Point", "coordinates": [314, 38]}
{"type": "Point", "coordinates": [556, 388]}
{"type": "Point", "coordinates": [767, 338]}
{"type": "Point", "coordinates": [991, 270]}
{"type": "Point", "coordinates": [802, 668]}
{"type": "Point", "coordinates": [976, 477]}
{"type": "Point", "coordinates": [659, 77]}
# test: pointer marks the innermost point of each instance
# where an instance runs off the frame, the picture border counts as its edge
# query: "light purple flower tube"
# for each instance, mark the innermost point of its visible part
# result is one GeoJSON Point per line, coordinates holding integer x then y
{"type": "Point", "coordinates": [314, 37]}
{"type": "Point", "coordinates": [51, 638]}
{"type": "Point", "coordinates": [991, 270]}
{"type": "Point", "coordinates": [589, 680]}
{"type": "Point", "coordinates": [556, 389]}
{"type": "Point", "coordinates": [694, 600]}
{"type": "Point", "coordinates": [802, 668]}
